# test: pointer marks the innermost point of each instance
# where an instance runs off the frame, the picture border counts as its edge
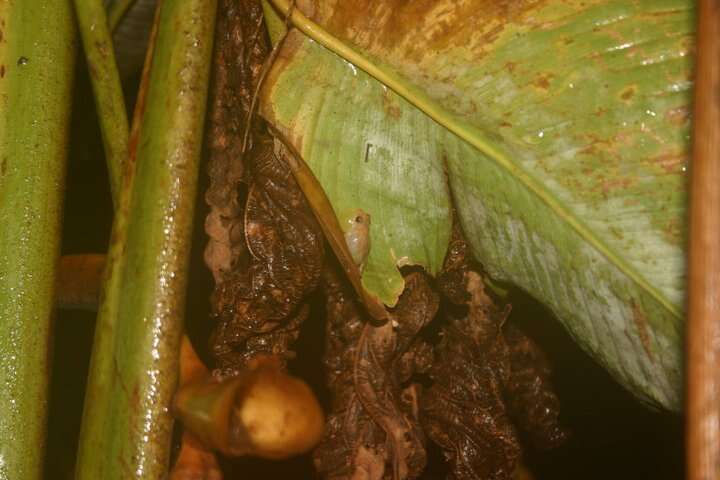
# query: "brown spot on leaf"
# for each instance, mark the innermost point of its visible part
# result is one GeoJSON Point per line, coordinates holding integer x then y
{"type": "Point", "coordinates": [542, 81]}
{"type": "Point", "coordinates": [606, 185]}
{"type": "Point", "coordinates": [673, 230]}
{"type": "Point", "coordinates": [670, 162]}
{"type": "Point", "coordinates": [627, 93]}
{"type": "Point", "coordinates": [390, 104]}
{"type": "Point", "coordinates": [678, 116]}
{"type": "Point", "coordinates": [590, 149]}
{"type": "Point", "coordinates": [641, 324]}
{"type": "Point", "coordinates": [102, 48]}
{"type": "Point", "coordinates": [422, 27]}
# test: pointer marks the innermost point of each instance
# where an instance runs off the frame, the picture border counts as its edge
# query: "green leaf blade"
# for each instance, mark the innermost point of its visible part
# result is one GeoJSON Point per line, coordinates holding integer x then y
{"type": "Point", "coordinates": [363, 164]}
{"type": "Point", "coordinates": [569, 173]}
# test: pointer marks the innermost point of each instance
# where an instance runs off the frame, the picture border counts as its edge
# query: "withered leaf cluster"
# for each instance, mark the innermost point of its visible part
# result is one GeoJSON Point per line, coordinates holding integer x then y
{"type": "Point", "coordinates": [373, 429]}
{"type": "Point", "coordinates": [473, 387]}
{"type": "Point", "coordinates": [489, 380]}
{"type": "Point", "coordinates": [471, 392]}
{"type": "Point", "coordinates": [265, 249]}
{"type": "Point", "coordinates": [236, 67]}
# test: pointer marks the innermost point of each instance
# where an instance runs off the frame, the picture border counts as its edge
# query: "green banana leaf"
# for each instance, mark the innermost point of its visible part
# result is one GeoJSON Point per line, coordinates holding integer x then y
{"type": "Point", "coordinates": [558, 130]}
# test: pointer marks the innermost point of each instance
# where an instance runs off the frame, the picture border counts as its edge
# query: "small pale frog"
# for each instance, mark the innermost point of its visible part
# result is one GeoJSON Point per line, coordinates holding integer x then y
{"type": "Point", "coordinates": [356, 228]}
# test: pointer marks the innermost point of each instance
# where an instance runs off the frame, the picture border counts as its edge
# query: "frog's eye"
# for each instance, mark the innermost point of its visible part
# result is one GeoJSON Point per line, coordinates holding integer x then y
{"type": "Point", "coordinates": [358, 219]}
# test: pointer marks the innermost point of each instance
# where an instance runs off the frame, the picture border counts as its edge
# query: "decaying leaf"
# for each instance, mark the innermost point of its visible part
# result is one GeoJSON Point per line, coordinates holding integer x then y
{"type": "Point", "coordinates": [464, 411]}
{"type": "Point", "coordinates": [265, 248]}
{"type": "Point", "coordinates": [484, 378]}
{"type": "Point", "coordinates": [353, 446]}
{"type": "Point", "coordinates": [373, 429]}
{"type": "Point", "coordinates": [240, 49]}
{"type": "Point", "coordinates": [259, 305]}
{"type": "Point", "coordinates": [533, 404]}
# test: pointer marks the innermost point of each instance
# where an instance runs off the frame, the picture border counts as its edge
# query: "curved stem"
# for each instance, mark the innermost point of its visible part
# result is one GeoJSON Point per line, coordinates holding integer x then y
{"type": "Point", "coordinates": [105, 78]}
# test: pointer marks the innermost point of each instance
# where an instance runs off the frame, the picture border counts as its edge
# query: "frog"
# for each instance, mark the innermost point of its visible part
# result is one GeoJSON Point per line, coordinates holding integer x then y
{"type": "Point", "coordinates": [355, 226]}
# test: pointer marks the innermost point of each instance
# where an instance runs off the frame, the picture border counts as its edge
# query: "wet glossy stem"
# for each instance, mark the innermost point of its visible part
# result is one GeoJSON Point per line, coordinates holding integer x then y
{"type": "Point", "coordinates": [105, 78]}
{"type": "Point", "coordinates": [126, 426]}
{"type": "Point", "coordinates": [703, 336]}
{"type": "Point", "coordinates": [117, 11]}
{"type": "Point", "coordinates": [36, 74]}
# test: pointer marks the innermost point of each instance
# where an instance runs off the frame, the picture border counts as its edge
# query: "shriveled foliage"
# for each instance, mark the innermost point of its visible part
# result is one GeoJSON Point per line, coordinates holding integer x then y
{"type": "Point", "coordinates": [265, 248]}
{"type": "Point", "coordinates": [486, 374]}
{"type": "Point", "coordinates": [373, 428]}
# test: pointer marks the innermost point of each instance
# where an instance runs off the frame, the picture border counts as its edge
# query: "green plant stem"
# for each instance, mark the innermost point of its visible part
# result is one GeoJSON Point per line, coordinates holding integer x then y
{"type": "Point", "coordinates": [37, 56]}
{"type": "Point", "coordinates": [127, 425]}
{"type": "Point", "coordinates": [107, 88]}
{"type": "Point", "coordinates": [117, 11]}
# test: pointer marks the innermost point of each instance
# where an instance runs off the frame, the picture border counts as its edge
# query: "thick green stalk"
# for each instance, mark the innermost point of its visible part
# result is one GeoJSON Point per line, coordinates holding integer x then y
{"type": "Point", "coordinates": [127, 423]}
{"type": "Point", "coordinates": [105, 79]}
{"type": "Point", "coordinates": [37, 53]}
